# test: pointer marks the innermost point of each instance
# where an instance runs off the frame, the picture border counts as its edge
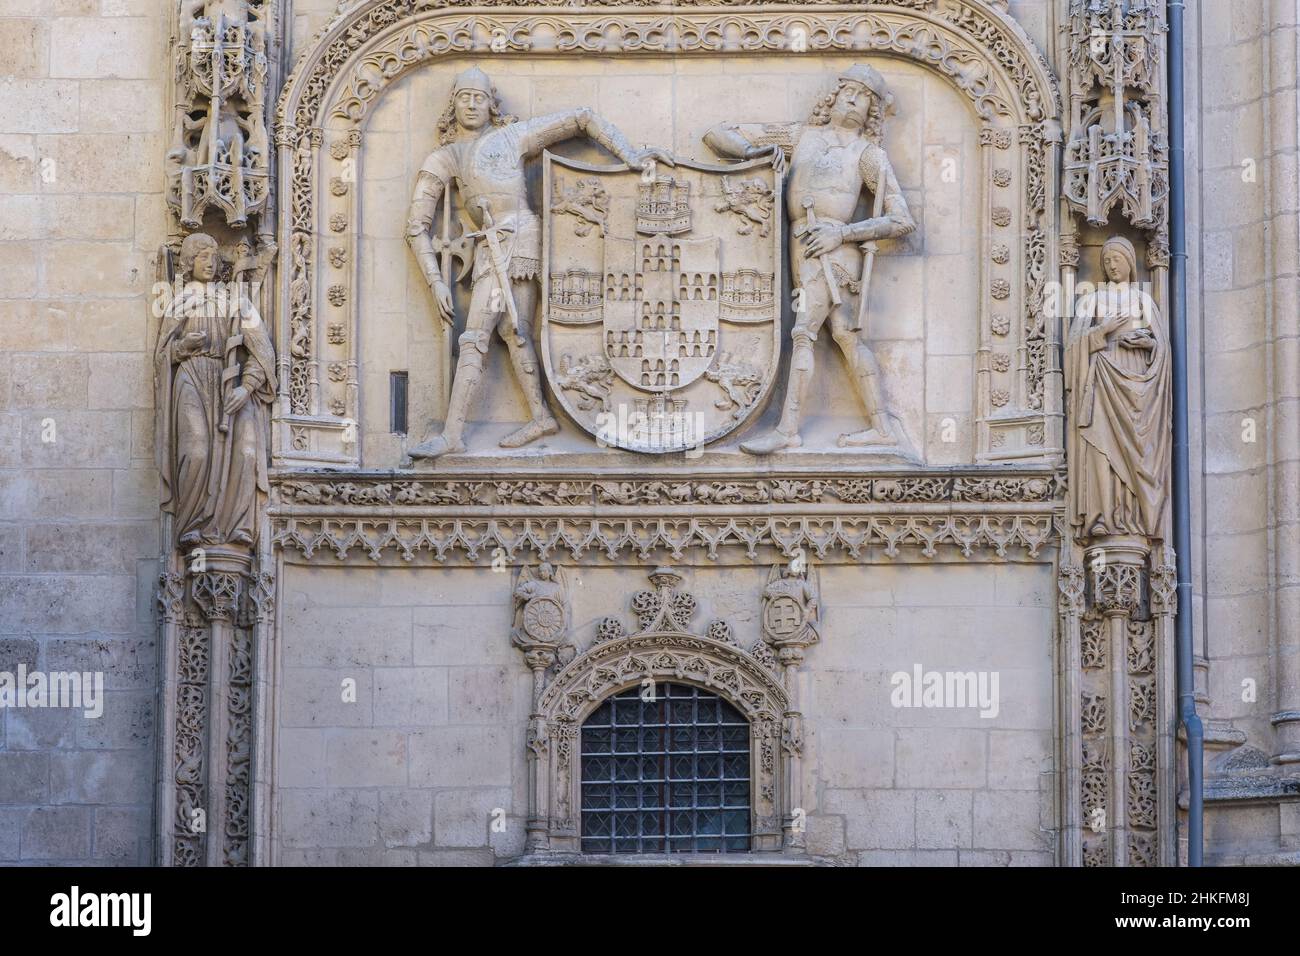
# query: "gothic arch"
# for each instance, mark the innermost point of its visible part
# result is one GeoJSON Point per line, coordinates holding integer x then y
{"type": "Point", "coordinates": [980, 50]}
{"type": "Point", "coordinates": [615, 665]}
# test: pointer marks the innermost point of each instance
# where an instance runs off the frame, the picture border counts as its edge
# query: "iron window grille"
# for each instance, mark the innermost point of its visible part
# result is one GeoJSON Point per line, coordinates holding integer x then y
{"type": "Point", "coordinates": [666, 775]}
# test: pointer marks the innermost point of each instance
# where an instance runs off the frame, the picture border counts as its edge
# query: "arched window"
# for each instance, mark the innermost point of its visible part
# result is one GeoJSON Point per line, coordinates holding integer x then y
{"type": "Point", "coordinates": [665, 775]}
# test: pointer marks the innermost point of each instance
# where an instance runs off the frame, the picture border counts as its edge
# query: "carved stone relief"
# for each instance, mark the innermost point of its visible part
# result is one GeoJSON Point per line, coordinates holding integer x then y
{"type": "Point", "coordinates": [325, 104]}
{"type": "Point", "coordinates": [220, 156]}
{"type": "Point", "coordinates": [643, 318]}
{"type": "Point", "coordinates": [582, 248]}
{"type": "Point", "coordinates": [483, 152]}
{"type": "Point", "coordinates": [662, 646]}
{"type": "Point", "coordinates": [833, 156]}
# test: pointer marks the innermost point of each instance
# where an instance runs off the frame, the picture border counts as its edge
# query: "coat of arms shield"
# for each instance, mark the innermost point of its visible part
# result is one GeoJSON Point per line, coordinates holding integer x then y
{"type": "Point", "coordinates": [661, 298]}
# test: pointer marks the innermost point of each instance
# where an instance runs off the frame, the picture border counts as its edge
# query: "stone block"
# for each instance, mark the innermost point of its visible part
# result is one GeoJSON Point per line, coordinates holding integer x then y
{"type": "Point", "coordinates": [24, 47]}
{"type": "Point", "coordinates": [122, 835]}
{"type": "Point", "coordinates": [121, 106]}
{"type": "Point", "coordinates": [324, 636]}
{"type": "Point", "coordinates": [300, 760]}
{"type": "Point", "coordinates": [825, 836]}
{"type": "Point", "coordinates": [18, 650]}
{"type": "Point", "coordinates": [120, 381]}
{"type": "Point", "coordinates": [68, 438]}
{"type": "Point", "coordinates": [97, 48]}
{"type": "Point", "coordinates": [24, 778]}
{"type": "Point", "coordinates": [41, 729]}
{"type": "Point", "coordinates": [36, 105]}
{"type": "Point", "coordinates": [89, 547]}
{"type": "Point", "coordinates": [11, 828]}
{"type": "Point", "coordinates": [127, 663]}
{"type": "Point", "coordinates": [461, 818]}
{"type": "Point", "coordinates": [367, 757]}
{"type": "Point", "coordinates": [1011, 820]}
{"type": "Point", "coordinates": [875, 819]}
{"type": "Point", "coordinates": [112, 777]}
{"type": "Point", "coordinates": [96, 269]}
{"type": "Point", "coordinates": [108, 325]}
{"type": "Point", "coordinates": [410, 697]}
{"type": "Point", "coordinates": [127, 723]}
{"type": "Point", "coordinates": [406, 817]}
{"type": "Point", "coordinates": [1019, 759]}
{"type": "Point", "coordinates": [318, 697]}
{"type": "Point", "coordinates": [943, 819]}
{"type": "Point", "coordinates": [940, 758]}
{"type": "Point", "coordinates": [19, 173]}
{"type": "Point", "coordinates": [486, 695]}
{"type": "Point", "coordinates": [462, 756]}
{"type": "Point", "coordinates": [64, 604]}
{"type": "Point", "coordinates": [56, 833]}
{"type": "Point", "coordinates": [855, 758]}
{"type": "Point", "coordinates": [17, 270]}
{"type": "Point", "coordinates": [313, 819]}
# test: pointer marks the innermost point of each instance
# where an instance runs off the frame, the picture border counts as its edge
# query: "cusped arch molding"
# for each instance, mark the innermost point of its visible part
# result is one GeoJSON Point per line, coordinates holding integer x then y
{"type": "Point", "coordinates": [975, 44]}
{"type": "Point", "coordinates": [619, 663]}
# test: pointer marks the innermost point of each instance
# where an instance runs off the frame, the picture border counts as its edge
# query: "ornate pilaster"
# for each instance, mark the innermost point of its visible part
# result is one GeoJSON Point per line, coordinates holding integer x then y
{"type": "Point", "coordinates": [790, 625]}
{"type": "Point", "coordinates": [1124, 704]}
{"type": "Point", "coordinates": [215, 598]}
{"type": "Point", "coordinates": [541, 632]}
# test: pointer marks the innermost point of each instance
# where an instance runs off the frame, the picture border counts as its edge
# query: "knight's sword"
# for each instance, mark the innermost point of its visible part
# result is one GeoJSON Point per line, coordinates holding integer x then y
{"type": "Point", "coordinates": [491, 234]}
{"type": "Point", "coordinates": [869, 250]}
{"type": "Point", "coordinates": [448, 324]}
{"type": "Point", "coordinates": [809, 222]}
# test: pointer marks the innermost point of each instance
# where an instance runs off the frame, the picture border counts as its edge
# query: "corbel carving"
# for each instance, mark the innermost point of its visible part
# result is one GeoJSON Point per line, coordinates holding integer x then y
{"type": "Point", "coordinates": [542, 620]}
{"type": "Point", "coordinates": [791, 611]}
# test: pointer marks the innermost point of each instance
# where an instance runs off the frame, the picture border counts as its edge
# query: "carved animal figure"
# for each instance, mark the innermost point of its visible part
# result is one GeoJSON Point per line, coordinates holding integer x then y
{"type": "Point", "coordinates": [588, 202]}
{"type": "Point", "coordinates": [591, 378]}
{"type": "Point", "coordinates": [739, 381]}
{"type": "Point", "coordinates": [751, 200]}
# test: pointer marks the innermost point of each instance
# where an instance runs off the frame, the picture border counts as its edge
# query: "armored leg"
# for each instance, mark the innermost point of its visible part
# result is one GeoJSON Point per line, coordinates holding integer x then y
{"type": "Point", "coordinates": [523, 356]}
{"type": "Point", "coordinates": [469, 372]}
{"type": "Point", "coordinates": [804, 334]}
{"type": "Point", "coordinates": [865, 373]}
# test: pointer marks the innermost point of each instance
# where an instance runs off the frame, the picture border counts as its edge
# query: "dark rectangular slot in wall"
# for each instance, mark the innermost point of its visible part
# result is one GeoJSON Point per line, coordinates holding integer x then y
{"type": "Point", "coordinates": [397, 402]}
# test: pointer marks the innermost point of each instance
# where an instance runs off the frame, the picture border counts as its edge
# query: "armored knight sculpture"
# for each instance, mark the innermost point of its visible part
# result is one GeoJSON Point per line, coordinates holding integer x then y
{"type": "Point", "coordinates": [215, 385]}
{"type": "Point", "coordinates": [1118, 377]}
{"type": "Point", "coordinates": [832, 157]}
{"type": "Point", "coordinates": [483, 151]}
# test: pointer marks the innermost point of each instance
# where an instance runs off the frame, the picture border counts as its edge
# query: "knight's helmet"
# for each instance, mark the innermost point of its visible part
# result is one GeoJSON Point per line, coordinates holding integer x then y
{"type": "Point", "coordinates": [870, 77]}
{"type": "Point", "coordinates": [472, 79]}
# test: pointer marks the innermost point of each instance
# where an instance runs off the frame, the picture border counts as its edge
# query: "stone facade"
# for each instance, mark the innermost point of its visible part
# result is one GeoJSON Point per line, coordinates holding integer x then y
{"type": "Point", "coordinates": [401, 560]}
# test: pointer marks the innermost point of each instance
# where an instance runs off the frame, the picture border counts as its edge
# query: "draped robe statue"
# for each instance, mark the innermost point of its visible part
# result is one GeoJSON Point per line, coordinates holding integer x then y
{"type": "Point", "coordinates": [1118, 376]}
{"type": "Point", "coordinates": [216, 380]}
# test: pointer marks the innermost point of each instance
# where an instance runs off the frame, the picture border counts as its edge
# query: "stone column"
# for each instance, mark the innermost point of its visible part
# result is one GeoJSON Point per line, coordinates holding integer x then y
{"type": "Point", "coordinates": [1122, 709]}
{"type": "Point", "coordinates": [219, 588]}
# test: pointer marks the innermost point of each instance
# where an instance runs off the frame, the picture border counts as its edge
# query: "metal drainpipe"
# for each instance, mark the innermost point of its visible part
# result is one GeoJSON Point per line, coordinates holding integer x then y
{"type": "Point", "coordinates": [1182, 503]}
